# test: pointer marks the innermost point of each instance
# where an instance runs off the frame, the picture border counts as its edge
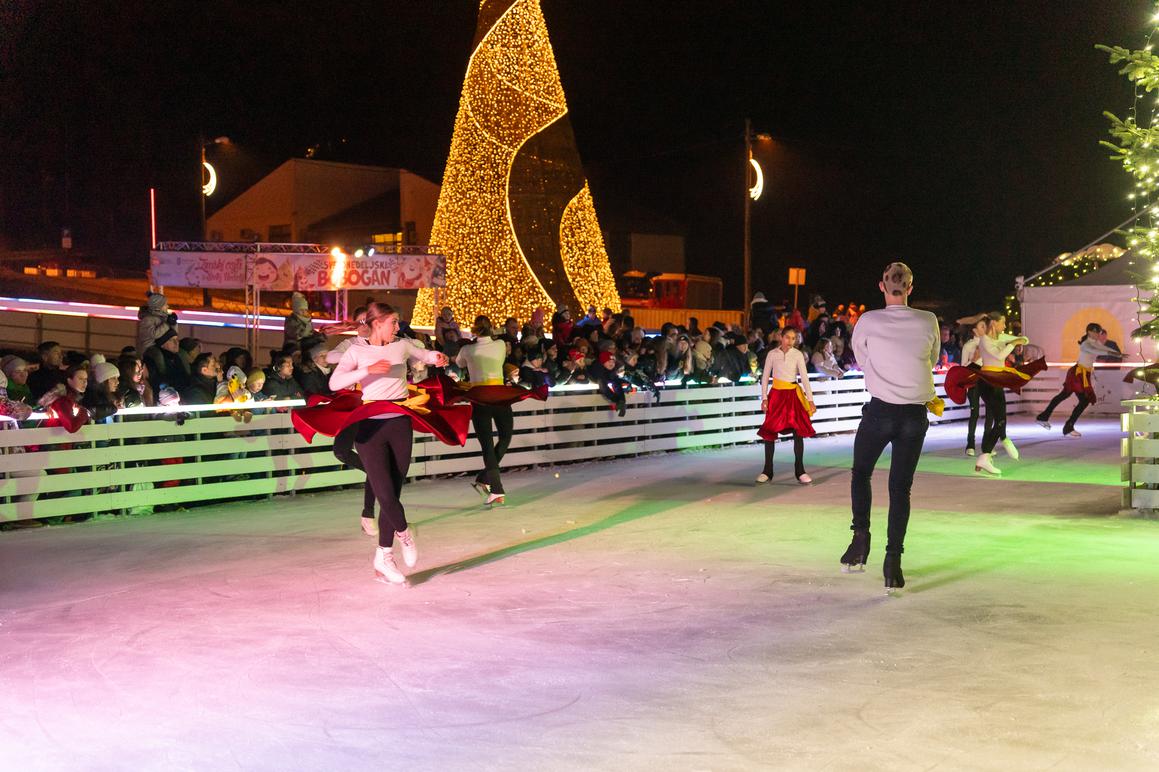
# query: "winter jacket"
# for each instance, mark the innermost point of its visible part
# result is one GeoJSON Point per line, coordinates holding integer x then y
{"type": "Point", "coordinates": [279, 388]}
{"type": "Point", "coordinates": [201, 390]}
{"type": "Point", "coordinates": [151, 325]}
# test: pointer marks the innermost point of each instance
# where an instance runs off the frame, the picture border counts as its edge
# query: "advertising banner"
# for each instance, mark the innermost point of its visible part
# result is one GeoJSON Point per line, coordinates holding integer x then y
{"type": "Point", "coordinates": [283, 271]}
{"type": "Point", "coordinates": [210, 270]}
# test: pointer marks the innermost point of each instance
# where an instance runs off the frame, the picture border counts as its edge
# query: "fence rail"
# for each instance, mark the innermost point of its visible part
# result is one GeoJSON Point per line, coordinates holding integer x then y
{"type": "Point", "coordinates": [135, 462]}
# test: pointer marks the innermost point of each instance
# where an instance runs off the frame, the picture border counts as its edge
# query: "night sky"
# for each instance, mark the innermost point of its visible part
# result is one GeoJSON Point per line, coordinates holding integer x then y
{"type": "Point", "coordinates": [961, 138]}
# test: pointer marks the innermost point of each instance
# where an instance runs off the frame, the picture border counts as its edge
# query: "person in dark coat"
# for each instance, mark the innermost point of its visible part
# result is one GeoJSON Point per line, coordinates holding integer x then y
{"type": "Point", "coordinates": [202, 386]}
{"type": "Point", "coordinates": [280, 383]}
{"type": "Point", "coordinates": [164, 363]}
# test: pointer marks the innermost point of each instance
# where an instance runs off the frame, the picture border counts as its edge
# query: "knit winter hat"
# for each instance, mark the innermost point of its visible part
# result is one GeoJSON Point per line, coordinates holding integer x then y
{"type": "Point", "coordinates": [607, 356]}
{"type": "Point", "coordinates": [12, 363]}
{"type": "Point", "coordinates": [299, 304]}
{"type": "Point", "coordinates": [102, 371]}
{"type": "Point", "coordinates": [96, 359]}
{"type": "Point", "coordinates": [156, 301]}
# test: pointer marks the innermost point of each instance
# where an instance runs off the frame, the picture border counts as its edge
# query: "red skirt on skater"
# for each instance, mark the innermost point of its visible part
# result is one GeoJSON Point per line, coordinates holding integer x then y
{"type": "Point", "coordinates": [788, 409]}
{"type": "Point", "coordinates": [1078, 381]}
{"type": "Point", "coordinates": [426, 403]}
{"type": "Point", "coordinates": [960, 379]}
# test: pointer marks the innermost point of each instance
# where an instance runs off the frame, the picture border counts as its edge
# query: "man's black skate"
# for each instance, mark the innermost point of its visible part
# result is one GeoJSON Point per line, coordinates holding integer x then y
{"type": "Point", "coordinates": [892, 570]}
{"type": "Point", "coordinates": [854, 558]}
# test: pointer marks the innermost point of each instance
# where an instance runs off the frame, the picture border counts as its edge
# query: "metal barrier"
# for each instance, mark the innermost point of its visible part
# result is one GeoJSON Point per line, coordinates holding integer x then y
{"type": "Point", "coordinates": [137, 461]}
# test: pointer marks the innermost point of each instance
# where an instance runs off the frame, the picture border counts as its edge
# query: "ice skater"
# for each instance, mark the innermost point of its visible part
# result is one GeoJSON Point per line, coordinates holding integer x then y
{"type": "Point", "coordinates": [972, 359]}
{"type": "Point", "coordinates": [386, 411]}
{"type": "Point", "coordinates": [787, 406]}
{"type": "Point", "coordinates": [897, 347]}
{"type": "Point", "coordinates": [991, 381]}
{"type": "Point", "coordinates": [483, 361]}
{"type": "Point", "coordinates": [1080, 379]}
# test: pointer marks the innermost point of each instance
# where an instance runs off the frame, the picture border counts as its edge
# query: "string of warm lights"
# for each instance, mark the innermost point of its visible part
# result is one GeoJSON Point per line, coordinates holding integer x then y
{"type": "Point", "coordinates": [1135, 145]}
{"type": "Point", "coordinates": [511, 93]}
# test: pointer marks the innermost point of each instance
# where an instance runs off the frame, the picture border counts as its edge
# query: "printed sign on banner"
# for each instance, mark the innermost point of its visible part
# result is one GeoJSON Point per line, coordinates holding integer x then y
{"type": "Point", "coordinates": [273, 270]}
{"type": "Point", "coordinates": [382, 271]}
{"type": "Point", "coordinates": [209, 270]}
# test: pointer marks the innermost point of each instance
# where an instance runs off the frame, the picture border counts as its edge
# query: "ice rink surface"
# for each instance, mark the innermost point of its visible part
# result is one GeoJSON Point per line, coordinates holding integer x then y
{"type": "Point", "coordinates": [638, 614]}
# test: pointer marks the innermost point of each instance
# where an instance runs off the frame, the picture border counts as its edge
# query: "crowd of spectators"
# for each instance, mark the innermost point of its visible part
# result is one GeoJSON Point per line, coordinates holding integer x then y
{"type": "Point", "coordinates": [605, 349]}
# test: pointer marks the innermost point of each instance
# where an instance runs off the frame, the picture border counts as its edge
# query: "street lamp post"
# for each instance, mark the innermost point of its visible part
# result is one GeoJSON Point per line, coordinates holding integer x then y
{"type": "Point", "coordinates": [751, 194]}
{"type": "Point", "coordinates": [748, 215]}
{"type": "Point", "coordinates": [207, 185]}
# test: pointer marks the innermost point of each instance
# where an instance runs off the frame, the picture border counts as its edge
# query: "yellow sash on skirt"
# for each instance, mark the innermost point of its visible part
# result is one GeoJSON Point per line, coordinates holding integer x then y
{"type": "Point", "coordinates": [1019, 373]}
{"type": "Point", "coordinates": [1085, 374]}
{"type": "Point", "coordinates": [786, 386]}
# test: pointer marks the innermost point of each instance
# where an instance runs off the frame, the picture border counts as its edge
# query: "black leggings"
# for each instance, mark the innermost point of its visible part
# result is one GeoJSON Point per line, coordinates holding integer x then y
{"type": "Point", "coordinates": [798, 454]}
{"type": "Point", "coordinates": [1083, 401]}
{"type": "Point", "coordinates": [994, 398]}
{"type": "Point", "coordinates": [344, 452]}
{"type": "Point", "coordinates": [384, 446]}
{"type": "Point", "coordinates": [975, 397]}
{"type": "Point", "coordinates": [482, 418]}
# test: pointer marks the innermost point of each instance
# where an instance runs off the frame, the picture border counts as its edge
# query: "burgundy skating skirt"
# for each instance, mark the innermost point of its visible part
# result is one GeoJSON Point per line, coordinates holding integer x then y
{"type": "Point", "coordinates": [961, 379]}
{"type": "Point", "coordinates": [1079, 380]}
{"type": "Point", "coordinates": [786, 411]}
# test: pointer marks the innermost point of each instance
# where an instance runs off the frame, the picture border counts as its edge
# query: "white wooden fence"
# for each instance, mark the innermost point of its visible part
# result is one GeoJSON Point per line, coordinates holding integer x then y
{"type": "Point", "coordinates": [138, 461]}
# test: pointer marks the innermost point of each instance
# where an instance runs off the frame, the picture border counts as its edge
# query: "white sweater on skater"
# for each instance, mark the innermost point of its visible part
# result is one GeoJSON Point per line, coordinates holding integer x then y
{"type": "Point", "coordinates": [897, 347]}
{"type": "Point", "coordinates": [354, 368]}
{"type": "Point", "coordinates": [786, 366]}
{"type": "Point", "coordinates": [995, 350]}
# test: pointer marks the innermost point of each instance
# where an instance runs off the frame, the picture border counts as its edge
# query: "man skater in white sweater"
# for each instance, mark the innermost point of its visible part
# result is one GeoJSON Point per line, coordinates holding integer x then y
{"type": "Point", "coordinates": [897, 348]}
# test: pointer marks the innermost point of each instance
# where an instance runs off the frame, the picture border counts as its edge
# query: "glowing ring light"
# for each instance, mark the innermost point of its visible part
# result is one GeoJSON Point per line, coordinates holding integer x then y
{"type": "Point", "coordinates": [211, 184]}
{"type": "Point", "coordinates": [759, 186]}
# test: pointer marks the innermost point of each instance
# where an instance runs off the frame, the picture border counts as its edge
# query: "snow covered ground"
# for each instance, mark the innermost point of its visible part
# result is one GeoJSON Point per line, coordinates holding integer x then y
{"type": "Point", "coordinates": [652, 613]}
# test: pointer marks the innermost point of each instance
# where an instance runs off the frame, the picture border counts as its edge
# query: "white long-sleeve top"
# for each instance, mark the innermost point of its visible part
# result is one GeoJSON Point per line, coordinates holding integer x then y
{"type": "Point", "coordinates": [995, 350]}
{"type": "Point", "coordinates": [355, 363]}
{"type": "Point", "coordinates": [334, 355]}
{"type": "Point", "coordinates": [970, 353]}
{"type": "Point", "coordinates": [897, 347]}
{"type": "Point", "coordinates": [483, 359]}
{"type": "Point", "coordinates": [1090, 349]}
{"type": "Point", "coordinates": [786, 366]}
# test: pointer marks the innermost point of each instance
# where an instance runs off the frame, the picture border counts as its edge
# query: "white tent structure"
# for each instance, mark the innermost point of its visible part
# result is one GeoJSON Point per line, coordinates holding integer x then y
{"type": "Point", "coordinates": [1055, 316]}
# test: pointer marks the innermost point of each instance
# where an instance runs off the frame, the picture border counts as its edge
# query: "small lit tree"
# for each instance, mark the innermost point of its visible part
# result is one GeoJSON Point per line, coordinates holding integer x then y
{"type": "Point", "coordinates": [1135, 144]}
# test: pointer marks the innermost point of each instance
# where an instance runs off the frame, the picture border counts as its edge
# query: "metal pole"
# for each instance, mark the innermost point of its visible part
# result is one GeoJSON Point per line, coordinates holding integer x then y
{"type": "Point", "coordinates": [201, 187]}
{"type": "Point", "coordinates": [748, 257]}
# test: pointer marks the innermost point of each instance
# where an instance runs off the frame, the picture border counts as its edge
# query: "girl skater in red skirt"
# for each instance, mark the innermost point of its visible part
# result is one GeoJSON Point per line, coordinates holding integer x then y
{"type": "Point", "coordinates": [787, 406]}
{"type": "Point", "coordinates": [1080, 379]}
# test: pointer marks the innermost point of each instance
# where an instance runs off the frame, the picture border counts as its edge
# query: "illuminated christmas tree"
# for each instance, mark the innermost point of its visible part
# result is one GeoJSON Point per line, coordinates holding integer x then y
{"type": "Point", "coordinates": [1136, 145]}
{"type": "Point", "coordinates": [515, 216]}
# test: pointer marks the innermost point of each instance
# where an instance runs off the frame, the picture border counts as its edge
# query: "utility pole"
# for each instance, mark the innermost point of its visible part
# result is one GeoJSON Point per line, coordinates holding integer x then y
{"type": "Point", "coordinates": [748, 216]}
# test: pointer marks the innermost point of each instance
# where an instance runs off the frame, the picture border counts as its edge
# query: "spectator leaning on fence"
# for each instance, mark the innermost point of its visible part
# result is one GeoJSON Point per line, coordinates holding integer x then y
{"type": "Point", "coordinates": [280, 383]}
{"type": "Point", "coordinates": [133, 388]}
{"type": "Point", "coordinates": [16, 371]}
{"type": "Point", "coordinates": [165, 368]}
{"type": "Point", "coordinates": [202, 386]}
{"type": "Point", "coordinates": [50, 372]}
{"type": "Point", "coordinates": [100, 397]}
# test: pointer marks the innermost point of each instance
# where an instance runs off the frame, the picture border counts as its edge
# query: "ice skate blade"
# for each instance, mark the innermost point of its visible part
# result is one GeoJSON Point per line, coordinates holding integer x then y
{"type": "Point", "coordinates": [858, 568]}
